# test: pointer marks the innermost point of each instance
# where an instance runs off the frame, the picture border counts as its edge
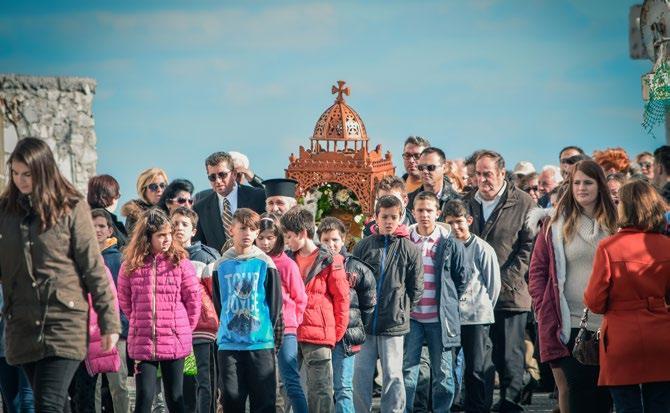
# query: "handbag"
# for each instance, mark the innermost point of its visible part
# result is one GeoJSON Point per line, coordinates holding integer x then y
{"type": "Point", "coordinates": [587, 343]}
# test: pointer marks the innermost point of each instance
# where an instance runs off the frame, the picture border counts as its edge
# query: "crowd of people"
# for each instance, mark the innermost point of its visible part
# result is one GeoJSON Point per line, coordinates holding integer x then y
{"type": "Point", "coordinates": [235, 298]}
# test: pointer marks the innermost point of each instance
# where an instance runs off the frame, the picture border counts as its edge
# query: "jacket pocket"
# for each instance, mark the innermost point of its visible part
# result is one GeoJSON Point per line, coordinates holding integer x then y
{"type": "Point", "coordinates": [71, 301]}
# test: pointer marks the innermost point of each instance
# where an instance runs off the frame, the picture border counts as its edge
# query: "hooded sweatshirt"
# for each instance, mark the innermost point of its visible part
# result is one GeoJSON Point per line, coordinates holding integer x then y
{"type": "Point", "coordinates": [248, 299]}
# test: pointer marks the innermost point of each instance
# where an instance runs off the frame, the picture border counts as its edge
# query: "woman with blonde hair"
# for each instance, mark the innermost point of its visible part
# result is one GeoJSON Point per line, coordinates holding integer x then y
{"type": "Point", "coordinates": [630, 284]}
{"type": "Point", "coordinates": [150, 187]}
{"type": "Point", "coordinates": [559, 271]}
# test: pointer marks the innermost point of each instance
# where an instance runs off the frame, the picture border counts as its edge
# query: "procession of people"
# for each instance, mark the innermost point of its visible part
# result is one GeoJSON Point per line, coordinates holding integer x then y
{"type": "Point", "coordinates": [470, 275]}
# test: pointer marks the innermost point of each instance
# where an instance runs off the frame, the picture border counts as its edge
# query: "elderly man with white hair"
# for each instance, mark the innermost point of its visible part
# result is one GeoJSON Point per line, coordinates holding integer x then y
{"type": "Point", "coordinates": [550, 178]}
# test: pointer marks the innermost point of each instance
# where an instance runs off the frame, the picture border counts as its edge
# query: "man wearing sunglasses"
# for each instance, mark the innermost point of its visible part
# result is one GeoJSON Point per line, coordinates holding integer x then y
{"type": "Point", "coordinates": [411, 151]}
{"type": "Point", "coordinates": [566, 157]}
{"type": "Point", "coordinates": [431, 166]}
{"type": "Point", "coordinates": [216, 209]}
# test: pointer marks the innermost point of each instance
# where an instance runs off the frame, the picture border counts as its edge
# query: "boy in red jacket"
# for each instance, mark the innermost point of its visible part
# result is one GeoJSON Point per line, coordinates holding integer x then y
{"type": "Point", "coordinates": [327, 303]}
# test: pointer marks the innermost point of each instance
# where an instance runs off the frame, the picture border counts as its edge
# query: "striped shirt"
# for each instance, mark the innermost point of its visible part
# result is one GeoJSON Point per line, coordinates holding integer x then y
{"type": "Point", "coordinates": [427, 310]}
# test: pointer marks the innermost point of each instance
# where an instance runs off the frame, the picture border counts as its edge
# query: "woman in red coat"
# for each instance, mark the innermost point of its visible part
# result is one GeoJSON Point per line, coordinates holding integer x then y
{"type": "Point", "coordinates": [630, 284]}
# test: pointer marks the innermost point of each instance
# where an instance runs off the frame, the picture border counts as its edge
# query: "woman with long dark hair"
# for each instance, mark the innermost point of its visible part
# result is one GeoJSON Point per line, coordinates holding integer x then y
{"type": "Point", "coordinates": [630, 284]}
{"type": "Point", "coordinates": [559, 271]}
{"type": "Point", "coordinates": [49, 261]}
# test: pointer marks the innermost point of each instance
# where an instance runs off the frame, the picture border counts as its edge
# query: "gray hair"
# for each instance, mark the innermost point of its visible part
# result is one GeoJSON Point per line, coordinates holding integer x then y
{"type": "Point", "coordinates": [556, 172]}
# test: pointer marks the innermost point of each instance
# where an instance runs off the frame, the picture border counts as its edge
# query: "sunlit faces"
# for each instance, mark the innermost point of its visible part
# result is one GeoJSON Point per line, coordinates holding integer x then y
{"type": "Point", "coordinates": [181, 199]}
{"type": "Point", "coordinates": [183, 229]}
{"type": "Point", "coordinates": [332, 240]}
{"type": "Point", "coordinates": [102, 230]}
{"type": "Point", "coordinates": [154, 189]}
{"type": "Point", "coordinates": [547, 182]}
{"type": "Point", "coordinates": [161, 240]}
{"type": "Point", "coordinates": [388, 220]}
{"type": "Point", "coordinates": [646, 163]}
{"type": "Point", "coordinates": [565, 165]}
{"type": "Point", "coordinates": [279, 204]}
{"type": "Point", "coordinates": [613, 185]}
{"type": "Point", "coordinates": [266, 241]}
{"type": "Point", "coordinates": [243, 235]}
{"type": "Point", "coordinates": [431, 169]}
{"type": "Point", "coordinates": [294, 241]}
{"type": "Point", "coordinates": [222, 178]}
{"type": "Point", "coordinates": [410, 158]}
{"type": "Point", "coordinates": [22, 177]}
{"type": "Point", "coordinates": [471, 179]}
{"type": "Point", "coordinates": [460, 226]}
{"type": "Point", "coordinates": [584, 189]}
{"type": "Point", "coordinates": [394, 192]}
{"type": "Point", "coordinates": [425, 212]}
{"type": "Point", "coordinates": [532, 188]}
{"type": "Point", "coordinates": [490, 179]}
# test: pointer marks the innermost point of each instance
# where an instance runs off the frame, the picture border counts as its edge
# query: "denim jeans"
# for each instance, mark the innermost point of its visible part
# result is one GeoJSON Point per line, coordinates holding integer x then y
{"type": "Point", "coordinates": [389, 351]}
{"type": "Point", "coordinates": [343, 380]}
{"type": "Point", "coordinates": [443, 385]}
{"type": "Point", "coordinates": [15, 389]}
{"type": "Point", "coordinates": [287, 360]}
{"type": "Point", "coordinates": [647, 398]}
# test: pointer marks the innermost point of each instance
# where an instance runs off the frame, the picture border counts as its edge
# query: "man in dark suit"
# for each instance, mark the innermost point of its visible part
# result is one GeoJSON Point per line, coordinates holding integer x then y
{"type": "Point", "coordinates": [220, 205]}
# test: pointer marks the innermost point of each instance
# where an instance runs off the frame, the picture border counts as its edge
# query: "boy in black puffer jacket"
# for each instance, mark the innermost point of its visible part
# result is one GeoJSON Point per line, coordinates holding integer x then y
{"type": "Point", "coordinates": [398, 270]}
{"type": "Point", "coordinates": [362, 299]}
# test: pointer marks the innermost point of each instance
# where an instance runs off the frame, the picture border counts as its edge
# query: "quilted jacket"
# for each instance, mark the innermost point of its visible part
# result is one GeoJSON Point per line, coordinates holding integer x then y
{"type": "Point", "coordinates": [162, 302]}
{"type": "Point", "coordinates": [98, 361]}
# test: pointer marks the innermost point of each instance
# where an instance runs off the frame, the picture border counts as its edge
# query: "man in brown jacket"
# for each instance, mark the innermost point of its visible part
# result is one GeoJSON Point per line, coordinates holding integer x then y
{"type": "Point", "coordinates": [499, 213]}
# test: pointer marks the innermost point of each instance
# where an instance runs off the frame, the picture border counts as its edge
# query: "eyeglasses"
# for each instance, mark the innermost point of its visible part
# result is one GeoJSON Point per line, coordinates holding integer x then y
{"type": "Point", "coordinates": [646, 165]}
{"type": "Point", "coordinates": [429, 168]}
{"type": "Point", "coordinates": [154, 187]}
{"type": "Point", "coordinates": [531, 188]}
{"type": "Point", "coordinates": [182, 201]}
{"type": "Point", "coordinates": [221, 175]}
{"type": "Point", "coordinates": [407, 156]}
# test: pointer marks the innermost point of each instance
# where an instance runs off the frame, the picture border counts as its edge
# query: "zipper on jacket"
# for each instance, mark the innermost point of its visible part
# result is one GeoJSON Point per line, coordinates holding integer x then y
{"type": "Point", "coordinates": [381, 283]}
{"type": "Point", "coordinates": [153, 310]}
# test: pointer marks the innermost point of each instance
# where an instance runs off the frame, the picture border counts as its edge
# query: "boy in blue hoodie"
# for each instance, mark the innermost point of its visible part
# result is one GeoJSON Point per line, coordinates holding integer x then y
{"type": "Point", "coordinates": [248, 299]}
{"type": "Point", "coordinates": [398, 269]}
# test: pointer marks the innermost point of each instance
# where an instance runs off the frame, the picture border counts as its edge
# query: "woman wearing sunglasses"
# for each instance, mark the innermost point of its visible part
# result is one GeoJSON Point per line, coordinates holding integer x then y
{"type": "Point", "coordinates": [150, 187]}
{"type": "Point", "coordinates": [178, 194]}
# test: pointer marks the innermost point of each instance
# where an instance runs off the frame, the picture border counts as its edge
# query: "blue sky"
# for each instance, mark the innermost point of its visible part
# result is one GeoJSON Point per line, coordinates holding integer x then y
{"type": "Point", "coordinates": [179, 80]}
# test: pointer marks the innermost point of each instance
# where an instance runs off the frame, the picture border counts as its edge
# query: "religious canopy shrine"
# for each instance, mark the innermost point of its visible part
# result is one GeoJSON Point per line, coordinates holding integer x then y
{"type": "Point", "coordinates": [338, 156]}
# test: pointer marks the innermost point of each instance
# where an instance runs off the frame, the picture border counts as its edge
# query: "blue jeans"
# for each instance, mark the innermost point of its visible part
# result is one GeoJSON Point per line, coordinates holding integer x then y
{"type": "Point", "coordinates": [647, 398]}
{"type": "Point", "coordinates": [287, 359]}
{"type": "Point", "coordinates": [15, 389]}
{"type": "Point", "coordinates": [343, 380]}
{"type": "Point", "coordinates": [440, 365]}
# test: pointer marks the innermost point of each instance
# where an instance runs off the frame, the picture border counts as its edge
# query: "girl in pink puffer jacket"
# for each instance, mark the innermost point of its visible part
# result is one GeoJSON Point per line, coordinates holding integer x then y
{"type": "Point", "coordinates": [160, 294]}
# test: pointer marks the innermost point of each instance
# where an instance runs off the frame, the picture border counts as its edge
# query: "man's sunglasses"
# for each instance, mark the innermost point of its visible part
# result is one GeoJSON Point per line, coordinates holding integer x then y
{"type": "Point", "coordinates": [154, 187]}
{"type": "Point", "coordinates": [531, 188]}
{"type": "Point", "coordinates": [182, 201]}
{"type": "Point", "coordinates": [429, 168]}
{"type": "Point", "coordinates": [221, 175]}
{"type": "Point", "coordinates": [407, 156]}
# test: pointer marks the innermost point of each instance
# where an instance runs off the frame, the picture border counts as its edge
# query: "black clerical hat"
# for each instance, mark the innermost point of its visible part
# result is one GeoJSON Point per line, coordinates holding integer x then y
{"type": "Point", "coordinates": [280, 187]}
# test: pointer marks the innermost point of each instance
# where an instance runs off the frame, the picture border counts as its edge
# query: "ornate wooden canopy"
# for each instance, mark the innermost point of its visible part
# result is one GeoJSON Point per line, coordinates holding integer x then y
{"type": "Point", "coordinates": [339, 153]}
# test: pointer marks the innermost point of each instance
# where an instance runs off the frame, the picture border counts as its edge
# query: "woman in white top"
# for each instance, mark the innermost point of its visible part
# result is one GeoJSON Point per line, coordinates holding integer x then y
{"type": "Point", "coordinates": [559, 272]}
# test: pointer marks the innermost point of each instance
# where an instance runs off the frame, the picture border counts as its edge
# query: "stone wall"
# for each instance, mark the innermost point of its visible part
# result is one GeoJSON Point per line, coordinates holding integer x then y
{"type": "Point", "coordinates": [56, 109]}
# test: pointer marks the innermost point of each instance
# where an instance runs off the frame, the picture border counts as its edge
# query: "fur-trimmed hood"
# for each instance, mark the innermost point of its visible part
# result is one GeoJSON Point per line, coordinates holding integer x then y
{"type": "Point", "coordinates": [535, 217]}
{"type": "Point", "coordinates": [134, 208]}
